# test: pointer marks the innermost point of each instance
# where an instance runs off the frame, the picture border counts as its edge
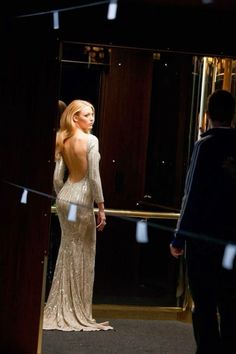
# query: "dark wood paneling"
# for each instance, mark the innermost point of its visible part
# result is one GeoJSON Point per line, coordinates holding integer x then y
{"type": "Point", "coordinates": [127, 271]}
{"type": "Point", "coordinates": [169, 130]}
{"type": "Point", "coordinates": [132, 273]}
{"type": "Point", "coordinates": [124, 127]}
{"type": "Point", "coordinates": [29, 83]}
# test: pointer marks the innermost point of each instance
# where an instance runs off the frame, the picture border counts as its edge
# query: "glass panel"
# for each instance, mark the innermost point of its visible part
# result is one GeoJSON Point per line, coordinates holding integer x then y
{"type": "Point", "coordinates": [128, 272]}
{"type": "Point", "coordinates": [215, 73]}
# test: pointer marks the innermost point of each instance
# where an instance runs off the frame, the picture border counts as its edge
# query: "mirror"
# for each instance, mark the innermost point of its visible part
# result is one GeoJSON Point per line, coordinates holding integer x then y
{"type": "Point", "coordinates": [150, 108]}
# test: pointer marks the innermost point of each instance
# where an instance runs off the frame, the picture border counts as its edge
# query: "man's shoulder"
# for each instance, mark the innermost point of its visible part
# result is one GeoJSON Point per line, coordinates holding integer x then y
{"type": "Point", "coordinates": [219, 133]}
{"type": "Point", "coordinates": [203, 143]}
{"type": "Point", "coordinates": [216, 136]}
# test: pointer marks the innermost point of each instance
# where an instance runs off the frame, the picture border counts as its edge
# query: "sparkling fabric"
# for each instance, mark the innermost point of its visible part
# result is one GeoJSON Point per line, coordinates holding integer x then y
{"type": "Point", "coordinates": [69, 304]}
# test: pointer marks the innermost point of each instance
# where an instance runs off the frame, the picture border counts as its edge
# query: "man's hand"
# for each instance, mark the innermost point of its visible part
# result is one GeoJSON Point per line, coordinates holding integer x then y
{"type": "Point", "coordinates": [176, 252]}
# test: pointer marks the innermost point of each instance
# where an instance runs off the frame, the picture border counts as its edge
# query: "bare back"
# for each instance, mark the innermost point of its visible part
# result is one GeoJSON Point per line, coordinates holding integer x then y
{"type": "Point", "coordinates": [75, 156]}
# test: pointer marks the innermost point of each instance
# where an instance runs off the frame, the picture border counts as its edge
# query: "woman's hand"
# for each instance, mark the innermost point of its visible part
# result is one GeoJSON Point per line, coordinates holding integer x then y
{"type": "Point", "coordinates": [101, 219]}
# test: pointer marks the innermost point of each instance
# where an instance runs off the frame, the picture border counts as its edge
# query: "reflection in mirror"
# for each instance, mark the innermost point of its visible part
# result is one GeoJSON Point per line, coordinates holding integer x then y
{"type": "Point", "coordinates": [215, 73]}
{"type": "Point", "coordinates": [81, 73]}
{"type": "Point", "coordinates": [150, 108]}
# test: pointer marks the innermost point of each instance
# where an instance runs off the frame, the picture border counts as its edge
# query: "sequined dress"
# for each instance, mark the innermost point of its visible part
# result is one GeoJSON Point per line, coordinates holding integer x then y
{"type": "Point", "coordinates": [69, 304]}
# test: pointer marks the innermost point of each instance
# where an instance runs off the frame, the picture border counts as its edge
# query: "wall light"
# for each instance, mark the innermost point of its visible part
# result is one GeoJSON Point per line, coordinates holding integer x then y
{"type": "Point", "coordinates": [112, 9]}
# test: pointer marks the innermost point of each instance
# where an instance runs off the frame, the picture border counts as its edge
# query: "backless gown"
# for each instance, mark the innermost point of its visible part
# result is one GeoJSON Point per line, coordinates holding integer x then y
{"type": "Point", "coordinates": [69, 304]}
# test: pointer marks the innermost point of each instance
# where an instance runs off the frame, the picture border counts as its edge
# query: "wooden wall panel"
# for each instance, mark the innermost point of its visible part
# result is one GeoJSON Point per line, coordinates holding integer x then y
{"type": "Point", "coordinates": [29, 82]}
{"type": "Point", "coordinates": [125, 125]}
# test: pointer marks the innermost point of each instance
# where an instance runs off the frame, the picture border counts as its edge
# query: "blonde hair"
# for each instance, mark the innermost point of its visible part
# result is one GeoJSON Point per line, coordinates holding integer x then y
{"type": "Point", "coordinates": [67, 127]}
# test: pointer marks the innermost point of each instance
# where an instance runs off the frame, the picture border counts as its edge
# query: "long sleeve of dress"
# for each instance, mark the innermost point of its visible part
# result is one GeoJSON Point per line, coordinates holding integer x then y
{"type": "Point", "coordinates": [94, 172]}
{"type": "Point", "coordinates": [59, 173]}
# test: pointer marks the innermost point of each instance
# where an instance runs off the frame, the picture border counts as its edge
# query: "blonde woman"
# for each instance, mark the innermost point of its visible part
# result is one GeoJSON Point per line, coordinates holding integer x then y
{"type": "Point", "coordinates": [69, 304]}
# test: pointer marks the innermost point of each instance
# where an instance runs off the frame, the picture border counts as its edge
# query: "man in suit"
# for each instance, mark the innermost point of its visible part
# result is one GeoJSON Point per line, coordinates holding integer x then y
{"type": "Point", "coordinates": [207, 224]}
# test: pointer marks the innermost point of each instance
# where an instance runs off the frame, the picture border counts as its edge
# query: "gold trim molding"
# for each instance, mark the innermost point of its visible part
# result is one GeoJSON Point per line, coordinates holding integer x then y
{"type": "Point", "coordinates": [135, 214]}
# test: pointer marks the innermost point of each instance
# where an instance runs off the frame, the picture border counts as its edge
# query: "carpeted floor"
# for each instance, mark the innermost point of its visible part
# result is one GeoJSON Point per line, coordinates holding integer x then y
{"type": "Point", "coordinates": [128, 337]}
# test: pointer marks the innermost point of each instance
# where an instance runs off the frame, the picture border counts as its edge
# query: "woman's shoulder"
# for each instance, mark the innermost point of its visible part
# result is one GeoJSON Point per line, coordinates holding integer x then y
{"type": "Point", "coordinates": [92, 137]}
{"type": "Point", "coordinates": [92, 140]}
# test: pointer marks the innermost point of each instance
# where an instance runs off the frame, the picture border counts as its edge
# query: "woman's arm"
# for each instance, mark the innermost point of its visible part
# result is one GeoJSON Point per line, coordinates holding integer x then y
{"type": "Point", "coordinates": [59, 173]}
{"type": "Point", "coordinates": [95, 181]}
